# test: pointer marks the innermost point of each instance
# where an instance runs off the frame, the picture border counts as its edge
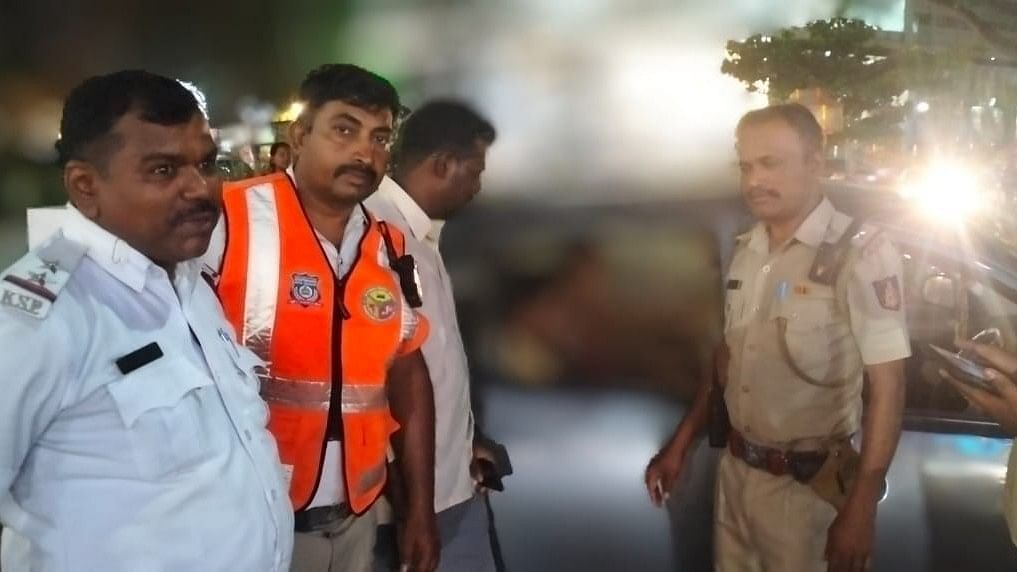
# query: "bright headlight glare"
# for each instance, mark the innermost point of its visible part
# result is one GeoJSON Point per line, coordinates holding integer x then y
{"type": "Point", "coordinates": [947, 192]}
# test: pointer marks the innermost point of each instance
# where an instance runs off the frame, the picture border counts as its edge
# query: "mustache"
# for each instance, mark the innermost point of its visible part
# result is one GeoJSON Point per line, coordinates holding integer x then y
{"type": "Point", "coordinates": [759, 192]}
{"type": "Point", "coordinates": [199, 209]}
{"type": "Point", "coordinates": [355, 168]}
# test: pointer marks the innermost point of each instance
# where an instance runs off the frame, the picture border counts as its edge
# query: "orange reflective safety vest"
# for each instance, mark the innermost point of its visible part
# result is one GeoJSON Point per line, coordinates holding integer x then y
{"type": "Point", "coordinates": [328, 342]}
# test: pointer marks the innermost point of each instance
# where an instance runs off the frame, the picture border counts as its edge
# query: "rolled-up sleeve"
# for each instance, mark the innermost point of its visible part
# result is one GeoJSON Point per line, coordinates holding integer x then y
{"type": "Point", "coordinates": [876, 303]}
{"type": "Point", "coordinates": [34, 378]}
{"type": "Point", "coordinates": [415, 328]}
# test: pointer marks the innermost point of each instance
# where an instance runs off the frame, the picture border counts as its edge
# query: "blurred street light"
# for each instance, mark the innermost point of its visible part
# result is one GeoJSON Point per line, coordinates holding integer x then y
{"type": "Point", "coordinates": [292, 112]}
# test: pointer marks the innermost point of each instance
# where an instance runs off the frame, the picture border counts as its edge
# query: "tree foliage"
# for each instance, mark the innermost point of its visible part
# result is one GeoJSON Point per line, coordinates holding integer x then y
{"type": "Point", "coordinates": [845, 58]}
{"type": "Point", "coordinates": [839, 56]}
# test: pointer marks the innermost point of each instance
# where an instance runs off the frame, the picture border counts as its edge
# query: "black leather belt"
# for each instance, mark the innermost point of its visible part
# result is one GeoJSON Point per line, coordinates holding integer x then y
{"type": "Point", "coordinates": [802, 465]}
{"type": "Point", "coordinates": [320, 517]}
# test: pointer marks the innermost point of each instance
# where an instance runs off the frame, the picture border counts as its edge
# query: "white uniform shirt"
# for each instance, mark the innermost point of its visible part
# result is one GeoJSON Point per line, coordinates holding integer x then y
{"type": "Point", "coordinates": [331, 488]}
{"type": "Point", "coordinates": [443, 350]}
{"type": "Point", "coordinates": [167, 467]}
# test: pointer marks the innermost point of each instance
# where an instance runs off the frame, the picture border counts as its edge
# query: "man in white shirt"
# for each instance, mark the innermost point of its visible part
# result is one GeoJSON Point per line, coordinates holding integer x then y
{"type": "Point", "coordinates": [438, 160]}
{"type": "Point", "coordinates": [132, 436]}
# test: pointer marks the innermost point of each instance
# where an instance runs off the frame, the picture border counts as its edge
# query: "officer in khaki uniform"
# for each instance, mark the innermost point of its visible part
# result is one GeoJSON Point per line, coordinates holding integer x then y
{"type": "Point", "coordinates": [813, 300]}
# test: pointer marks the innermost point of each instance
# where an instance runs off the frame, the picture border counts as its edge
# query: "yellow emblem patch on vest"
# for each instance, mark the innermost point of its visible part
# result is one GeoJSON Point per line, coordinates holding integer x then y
{"type": "Point", "coordinates": [379, 304]}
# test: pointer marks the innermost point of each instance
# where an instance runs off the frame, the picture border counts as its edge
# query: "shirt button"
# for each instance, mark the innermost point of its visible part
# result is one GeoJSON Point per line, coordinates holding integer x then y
{"type": "Point", "coordinates": [766, 269]}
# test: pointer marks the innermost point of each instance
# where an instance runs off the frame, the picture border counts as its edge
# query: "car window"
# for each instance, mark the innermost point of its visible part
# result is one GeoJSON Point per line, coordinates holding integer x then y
{"type": "Point", "coordinates": [948, 294]}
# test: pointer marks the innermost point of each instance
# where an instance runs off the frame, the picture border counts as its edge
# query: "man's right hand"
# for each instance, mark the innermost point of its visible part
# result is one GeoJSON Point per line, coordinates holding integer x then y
{"type": "Point", "coordinates": [419, 544]}
{"type": "Point", "coordinates": [662, 472]}
{"type": "Point", "coordinates": [666, 466]}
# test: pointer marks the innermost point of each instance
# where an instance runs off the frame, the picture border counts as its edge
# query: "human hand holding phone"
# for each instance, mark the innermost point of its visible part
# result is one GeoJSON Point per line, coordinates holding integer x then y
{"type": "Point", "coordinates": [963, 369]}
{"type": "Point", "coordinates": [1000, 403]}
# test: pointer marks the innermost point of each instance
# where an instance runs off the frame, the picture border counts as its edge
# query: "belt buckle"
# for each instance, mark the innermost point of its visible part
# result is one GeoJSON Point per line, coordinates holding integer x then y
{"type": "Point", "coordinates": [752, 456]}
{"type": "Point", "coordinates": [777, 463]}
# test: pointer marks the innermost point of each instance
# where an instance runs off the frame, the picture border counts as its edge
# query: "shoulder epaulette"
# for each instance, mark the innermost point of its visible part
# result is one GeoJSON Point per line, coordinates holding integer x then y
{"type": "Point", "coordinates": [32, 284]}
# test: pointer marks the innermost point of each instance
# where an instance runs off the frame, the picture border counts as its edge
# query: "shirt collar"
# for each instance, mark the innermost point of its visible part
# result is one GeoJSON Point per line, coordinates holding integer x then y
{"type": "Point", "coordinates": [436, 228]}
{"type": "Point", "coordinates": [811, 232]}
{"type": "Point", "coordinates": [416, 219]}
{"type": "Point", "coordinates": [356, 221]}
{"type": "Point", "coordinates": [813, 228]}
{"type": "Point", "coordinates": [355, 226]}
{"type": "Point", "coordinates": [114, 255]}
{"type": "Point", "coordinates": [759, 240]}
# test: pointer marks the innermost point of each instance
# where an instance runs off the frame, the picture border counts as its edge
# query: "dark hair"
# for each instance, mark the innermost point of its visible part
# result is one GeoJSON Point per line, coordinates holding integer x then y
{"type": "Point", "coordinates": [794, 115]}
{"type": "Point", "coordinates": [350, 84]}
{"type": "Point", "coordinates": [276, 146]}
{"type": "Point", "coordinates": [94, 107]}
{"type": "Point", "coordinates": [441, 125]}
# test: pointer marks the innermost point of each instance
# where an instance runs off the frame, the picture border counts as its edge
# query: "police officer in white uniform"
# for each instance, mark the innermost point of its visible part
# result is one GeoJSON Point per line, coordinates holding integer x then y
{"type": "Point", "coordinates": [132, 436]}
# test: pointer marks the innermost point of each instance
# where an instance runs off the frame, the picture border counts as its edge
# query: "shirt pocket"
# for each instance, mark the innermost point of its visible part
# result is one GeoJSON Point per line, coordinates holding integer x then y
{"type": "Point", "coordinates": [163, 413]}
{"type": "Point", "coordinates": [811, 326]}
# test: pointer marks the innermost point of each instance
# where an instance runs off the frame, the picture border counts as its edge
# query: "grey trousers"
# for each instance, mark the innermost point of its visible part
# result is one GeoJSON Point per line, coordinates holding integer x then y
{"type": "Point", "coordinates": [466, 540]}
{"type": "Point", "coordinates": [346, 545]}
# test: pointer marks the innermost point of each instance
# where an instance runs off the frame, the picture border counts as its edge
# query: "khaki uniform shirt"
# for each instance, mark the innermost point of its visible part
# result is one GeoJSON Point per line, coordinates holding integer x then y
{"type": "Point", "coordinates": [769, 403]}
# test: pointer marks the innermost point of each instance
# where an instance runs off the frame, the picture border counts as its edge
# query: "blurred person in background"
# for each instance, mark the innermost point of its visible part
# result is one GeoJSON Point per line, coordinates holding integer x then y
{"type": "Point", "coordinates": [811, 304]}
{"type": "Point", "coordinates": [131, 433]}
{"type": "Point", "coordinates": [1001, 406]}
{"type": "Point", "coordinates": [320, 289]}
{"type": "Point", "coordinates": [438, 160]}
{"type": "Point", "coordinates": [279, 158]}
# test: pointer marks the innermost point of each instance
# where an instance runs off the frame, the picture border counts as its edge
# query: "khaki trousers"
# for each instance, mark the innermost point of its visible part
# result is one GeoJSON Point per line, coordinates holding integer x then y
{"type": "Point", "coordinates": [345, 545]}
{"type": "Point", "coordinates": [767, 523]}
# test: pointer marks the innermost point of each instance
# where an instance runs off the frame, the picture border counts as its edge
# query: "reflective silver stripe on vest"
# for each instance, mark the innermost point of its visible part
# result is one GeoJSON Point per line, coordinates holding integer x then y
{"type": "Point", "coordinates": [302, 394]}
{"type": "Point", "coordinates": [371, 478]}
{"type": "Point", "coordinates": [298, 394]}
{"type": "Point", "coordinates": [263, 258]}
{"type": "Point", "coordinates": [364, 398]}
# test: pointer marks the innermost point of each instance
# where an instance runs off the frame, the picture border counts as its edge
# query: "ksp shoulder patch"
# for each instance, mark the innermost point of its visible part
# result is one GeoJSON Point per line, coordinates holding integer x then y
{"type": "Point", "coordinates": [888, 293]}
{"type": "Point", "coordinates": [32, 284]}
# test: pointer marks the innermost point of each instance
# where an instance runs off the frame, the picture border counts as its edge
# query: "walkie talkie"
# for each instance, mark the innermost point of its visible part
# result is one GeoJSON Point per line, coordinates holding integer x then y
{"type": "Point", "coordinates": [404, 266]}
{"type": "Point", "coordinates": [830, 256]}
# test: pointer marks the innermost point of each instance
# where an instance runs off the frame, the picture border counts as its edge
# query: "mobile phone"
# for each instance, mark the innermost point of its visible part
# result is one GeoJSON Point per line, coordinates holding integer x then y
{"type": "Point", "coordinates": [963, 369]}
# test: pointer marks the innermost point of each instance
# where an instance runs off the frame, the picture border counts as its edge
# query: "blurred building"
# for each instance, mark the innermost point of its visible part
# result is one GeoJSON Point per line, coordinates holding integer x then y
{"type": "Point", "coordinates": [974, 24]}
{"type": "Point", "coordinates": [983, 99]}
